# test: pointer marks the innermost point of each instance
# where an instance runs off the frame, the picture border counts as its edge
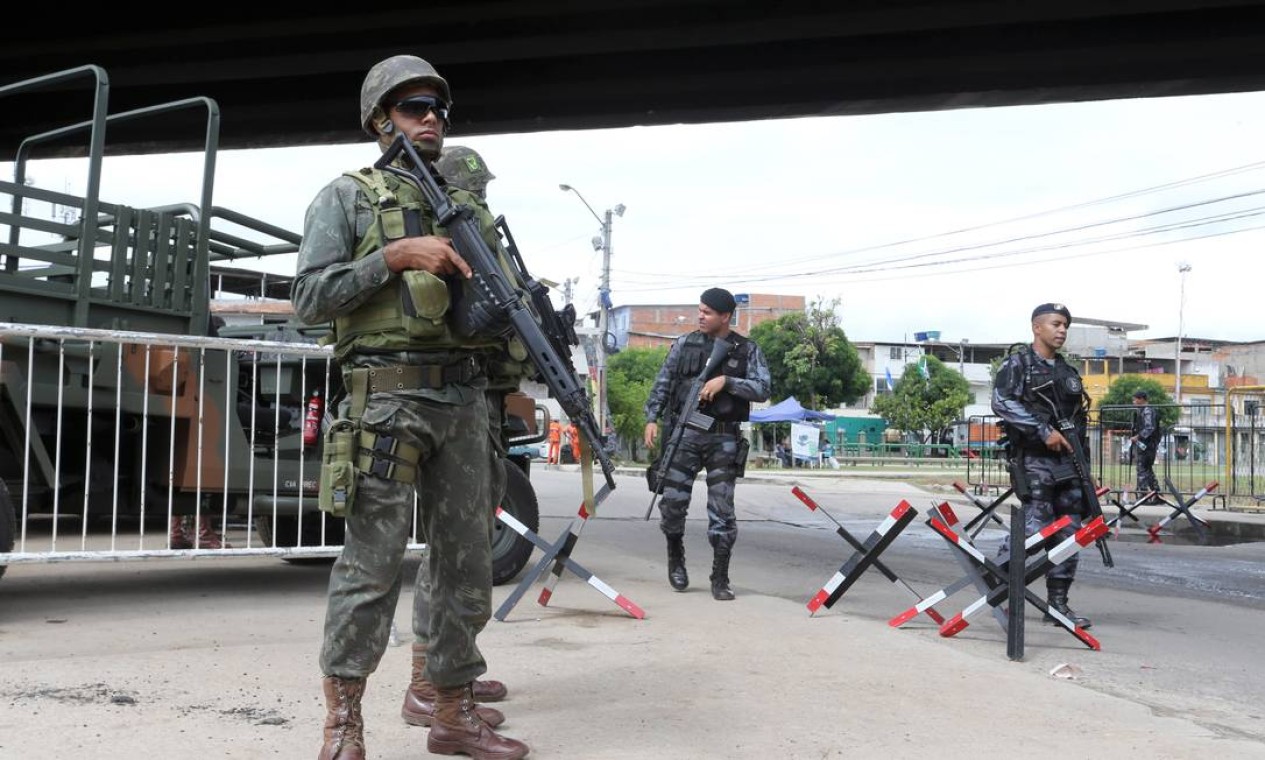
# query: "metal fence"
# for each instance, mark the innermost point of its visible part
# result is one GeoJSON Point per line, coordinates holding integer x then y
{"type": "Point", "coordinates": [105, 436]}
{"type": "Point", "coordinates": [1202, 444]}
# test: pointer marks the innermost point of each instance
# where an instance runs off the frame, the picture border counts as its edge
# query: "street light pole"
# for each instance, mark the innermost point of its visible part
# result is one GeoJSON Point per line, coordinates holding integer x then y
{"type": "Point", "coordinates": [604, 300]}
{"type": "Point", "coordinates": [1182, 269]}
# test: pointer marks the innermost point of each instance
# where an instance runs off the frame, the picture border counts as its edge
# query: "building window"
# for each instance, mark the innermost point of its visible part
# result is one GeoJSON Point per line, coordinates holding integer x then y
{"type": "Point", "coordinates": [880, 385]}
{"type": "Point", "coordinates": [896, 352]}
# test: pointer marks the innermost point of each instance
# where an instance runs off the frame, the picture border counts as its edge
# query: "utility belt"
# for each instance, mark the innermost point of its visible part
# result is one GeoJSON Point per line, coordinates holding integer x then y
{"type": "Point", "coordinates": [412, 377]}
{"type": "Point", "coordinates": [732, 427]}
{"type": "Point", "coordinates": [350, 450]}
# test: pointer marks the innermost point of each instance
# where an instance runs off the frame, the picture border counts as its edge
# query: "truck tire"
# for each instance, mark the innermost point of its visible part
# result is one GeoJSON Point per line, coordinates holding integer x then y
{"type": "Point", "coordinates": [8, 523]}
{"type": "Point", "coordinates": [287, 534]}
{"type": "Point", "coordinates": [510, 551]}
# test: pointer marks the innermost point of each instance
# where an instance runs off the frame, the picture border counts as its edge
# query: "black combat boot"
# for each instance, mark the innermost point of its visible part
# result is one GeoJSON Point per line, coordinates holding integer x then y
{"type": "Point", "coordinates": [720, 576]}
{"type": "Point", "coordinates": [677, 576]}
{"type": "Point", "coordinates": [1056, 597]}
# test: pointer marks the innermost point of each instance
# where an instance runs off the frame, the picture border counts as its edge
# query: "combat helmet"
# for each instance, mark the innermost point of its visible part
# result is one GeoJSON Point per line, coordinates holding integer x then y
{"type": "Point", "coordinates": [389, 74]}
{"type": "Point", "coordinates": [465, 168]}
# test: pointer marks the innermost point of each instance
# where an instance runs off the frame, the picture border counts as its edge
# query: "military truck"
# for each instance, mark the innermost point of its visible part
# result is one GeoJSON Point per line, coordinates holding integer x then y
{"type": "Point", "coordinates": [123, 398]}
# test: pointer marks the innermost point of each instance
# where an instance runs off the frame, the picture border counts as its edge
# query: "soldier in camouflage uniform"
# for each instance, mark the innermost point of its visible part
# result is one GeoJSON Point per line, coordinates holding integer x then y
{"type": "Point", "coordinates": [463, 168]}
{"type": "Point", "coordinates": [466, 169]}
{"type": "Point", "coordinates": [419, 406]}
{"type": "Point", "coordinates": [743, 377]}
{"type": "Point", "coordinates": [1034, 388]}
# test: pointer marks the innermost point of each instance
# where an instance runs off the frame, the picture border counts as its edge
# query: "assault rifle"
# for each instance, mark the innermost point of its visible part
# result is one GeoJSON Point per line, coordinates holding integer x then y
{"type": "Point", "coordinates": [689, 416]}
{"type": "Point", "coordinates": [500, 307]}
{"type": "Point", "coordinates": [1089, 492]}
{"type": "Point", "coordinates": [558, 325]}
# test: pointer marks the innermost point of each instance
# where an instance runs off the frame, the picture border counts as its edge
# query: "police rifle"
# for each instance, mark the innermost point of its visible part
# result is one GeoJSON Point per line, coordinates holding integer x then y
{"type": "Point", "coordinates": [689, 416]}
{"type": "Point", "coordinates": [1089, 492]}
{"type": "Point", "coordinates": [500, 307]}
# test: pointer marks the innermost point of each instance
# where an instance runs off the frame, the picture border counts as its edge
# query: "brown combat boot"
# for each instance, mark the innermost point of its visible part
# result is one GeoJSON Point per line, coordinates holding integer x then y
{"type": "Point", "coordinates": [177, 538]}
{"type": "Point", "coordinates": [344, 726]}
{"type": "Point", "coordinates": [458, 729]}
{"type": "Point", "coordinates": [208, 537]}
{"type": "Point", "coordinates": [419, 698]}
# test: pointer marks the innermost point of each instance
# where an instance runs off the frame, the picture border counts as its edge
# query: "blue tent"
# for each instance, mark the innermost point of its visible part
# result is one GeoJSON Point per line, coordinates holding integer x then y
{"type": "Point", "coordinates": [789, 410]}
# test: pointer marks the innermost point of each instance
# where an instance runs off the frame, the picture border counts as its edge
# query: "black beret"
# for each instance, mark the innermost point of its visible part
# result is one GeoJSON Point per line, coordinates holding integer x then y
{"type": "Point", "coordinates": [719, 299]}
{"type": "Point", "coordinates": [1139, 393]}
{"type": "Point", "coordinates": [1052, 308]}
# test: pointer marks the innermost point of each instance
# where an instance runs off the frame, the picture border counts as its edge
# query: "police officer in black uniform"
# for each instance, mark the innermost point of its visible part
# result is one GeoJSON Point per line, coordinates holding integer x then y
{"type": "Point", "coordinates": [743, 377]}
{"type": "Point", "coordinates": [1145, 442]}
{"type": "Point", "coordinates": [1034, 388]}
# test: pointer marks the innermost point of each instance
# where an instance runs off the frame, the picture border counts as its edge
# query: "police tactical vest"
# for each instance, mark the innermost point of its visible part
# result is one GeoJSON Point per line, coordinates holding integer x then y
{"type": "Point", "coordinates": [415, 310]}
{"type": "Point", "coordinates": [695, 352]}
{"type": "Point", "coordinates": [1059, 383]}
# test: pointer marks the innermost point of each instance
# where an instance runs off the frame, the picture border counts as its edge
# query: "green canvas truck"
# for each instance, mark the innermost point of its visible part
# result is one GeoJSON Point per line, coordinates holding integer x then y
{"type": "Point", "coordinates": [124, 399]}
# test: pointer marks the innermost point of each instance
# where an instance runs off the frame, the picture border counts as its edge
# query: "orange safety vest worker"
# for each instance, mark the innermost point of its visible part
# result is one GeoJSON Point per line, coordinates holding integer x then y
{"type": "Point", "coordinates": [555, 442]}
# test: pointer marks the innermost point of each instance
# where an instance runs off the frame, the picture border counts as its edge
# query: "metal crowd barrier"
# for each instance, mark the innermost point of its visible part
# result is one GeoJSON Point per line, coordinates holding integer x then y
{"type": "Point", "coordinates": [107, 435]}
{"type": "Point", "coordinates": [1202, 443]}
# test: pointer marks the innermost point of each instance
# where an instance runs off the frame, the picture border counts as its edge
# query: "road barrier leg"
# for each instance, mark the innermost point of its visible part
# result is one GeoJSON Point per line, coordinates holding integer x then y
{"type": "Point", "coordinates": [866, 555]}
{"type": "Point", "coordinates": [559, 553]}
{"type": "Point", "coordinates": [1034, 568]}
{"type": "Point", "coordinates": [887, 572]}
{"type": "Point", "coordinates": [1182, 507]}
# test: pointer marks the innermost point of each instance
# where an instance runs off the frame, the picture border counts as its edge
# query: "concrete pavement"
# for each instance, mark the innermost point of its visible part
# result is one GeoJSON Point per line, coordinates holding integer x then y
{"type": "Point", "coordinates": [203, 660]}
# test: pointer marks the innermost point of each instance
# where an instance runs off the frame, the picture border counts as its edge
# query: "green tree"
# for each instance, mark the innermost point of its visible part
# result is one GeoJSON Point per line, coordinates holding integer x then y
{"type": "Point", "coordinates": [811, 358]}
{"type": "Point", "coordinates": [924, 402]}
{"type": "Point", "coordinates": [1120, 394]}
{"type": "Point", "coordinates": [630, 375]}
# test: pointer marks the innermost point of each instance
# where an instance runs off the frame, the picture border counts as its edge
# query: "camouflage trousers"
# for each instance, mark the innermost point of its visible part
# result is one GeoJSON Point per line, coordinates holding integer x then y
{"type": "Point", "coordinates": [458, 476]}
{"type": "Point", "coordinates": [1146, 471]}
{"type": "Point", "coordinates": [715, 452]}
{"type": "Point", "coordinates": [1050, 500]}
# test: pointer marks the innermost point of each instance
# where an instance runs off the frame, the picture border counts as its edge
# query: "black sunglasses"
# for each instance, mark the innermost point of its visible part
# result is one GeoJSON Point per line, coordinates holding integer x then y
{"type": "Point", "coordinates": [419, 105]}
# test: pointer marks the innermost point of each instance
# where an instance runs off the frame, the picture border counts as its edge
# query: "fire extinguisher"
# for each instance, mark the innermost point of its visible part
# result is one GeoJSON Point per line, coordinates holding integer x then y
{"type": "Point", "coordinates": [312, 420]}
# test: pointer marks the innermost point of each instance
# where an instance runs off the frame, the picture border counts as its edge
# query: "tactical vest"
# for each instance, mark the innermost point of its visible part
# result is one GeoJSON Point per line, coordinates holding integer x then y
{"type": "Point", "coordinates": [416, 310]}
{"type": "Point", "coordinates": [1059, 383]}
{"type": "Point", "coordinates": [695, 351]}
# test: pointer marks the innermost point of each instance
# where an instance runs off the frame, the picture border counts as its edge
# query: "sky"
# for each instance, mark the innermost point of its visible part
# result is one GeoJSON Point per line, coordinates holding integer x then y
{"type": "Point", "coordinates": [958, 221]}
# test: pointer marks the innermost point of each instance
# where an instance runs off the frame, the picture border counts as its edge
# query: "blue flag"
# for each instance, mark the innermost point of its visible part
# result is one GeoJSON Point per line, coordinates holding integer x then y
{"type": "Point", "coordinates": [890, 384]}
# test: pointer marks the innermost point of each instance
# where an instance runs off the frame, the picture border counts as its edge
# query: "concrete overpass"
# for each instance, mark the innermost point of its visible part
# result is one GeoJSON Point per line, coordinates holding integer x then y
{"type": "Point", "coordinates": [287, 79]}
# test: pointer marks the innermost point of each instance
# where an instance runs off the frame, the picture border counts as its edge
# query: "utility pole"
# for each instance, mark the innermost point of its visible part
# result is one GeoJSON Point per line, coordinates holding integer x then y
{"type": "Point", "coordinates": [1182, 269]}
{"type": "Point", "coordinates": [603, 244]}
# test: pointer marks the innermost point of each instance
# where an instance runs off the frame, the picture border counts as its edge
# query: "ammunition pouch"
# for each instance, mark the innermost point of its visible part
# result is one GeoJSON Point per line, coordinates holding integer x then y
{"type": "Point", "coordinates": [338, 469]}
{"type": "Point", "coordinates": [425, 302]}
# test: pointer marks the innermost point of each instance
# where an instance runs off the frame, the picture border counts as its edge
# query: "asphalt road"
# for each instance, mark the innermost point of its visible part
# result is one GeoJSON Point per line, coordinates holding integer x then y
{"type": "Point", "coordinates": [209, 659]}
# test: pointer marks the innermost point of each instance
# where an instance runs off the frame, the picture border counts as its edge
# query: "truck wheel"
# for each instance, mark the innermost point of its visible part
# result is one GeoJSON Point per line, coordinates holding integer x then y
{"type": "Point", "coordinates": [510, 551]}
{"type": "Point", "coordinates": [287, 534]}
{"type": "Point", "coordinates": [8, 523]}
